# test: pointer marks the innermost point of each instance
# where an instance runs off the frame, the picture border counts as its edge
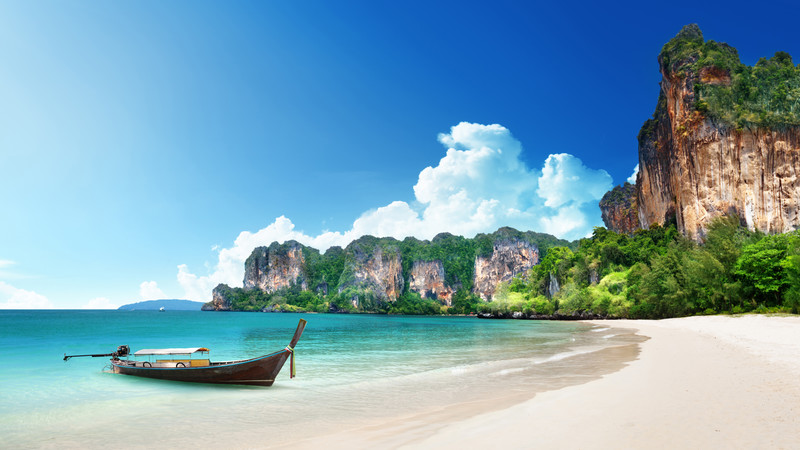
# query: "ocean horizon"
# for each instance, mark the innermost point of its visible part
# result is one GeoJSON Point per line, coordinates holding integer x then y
{"type": "Point", "coordinates": [352, 370]}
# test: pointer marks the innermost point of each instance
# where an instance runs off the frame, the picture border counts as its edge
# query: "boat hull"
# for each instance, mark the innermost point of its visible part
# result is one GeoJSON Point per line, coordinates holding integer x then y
{"type": "Point", "coordinates": [260, 371]}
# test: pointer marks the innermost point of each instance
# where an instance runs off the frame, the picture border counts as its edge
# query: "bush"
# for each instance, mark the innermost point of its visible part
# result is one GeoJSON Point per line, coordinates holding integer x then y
{"type": "Point", "coordinates": [540, 305]}
{"type": "Point", "coordinates": [412, 303]}
{"type": "Point", "coordinates": [464, 303]}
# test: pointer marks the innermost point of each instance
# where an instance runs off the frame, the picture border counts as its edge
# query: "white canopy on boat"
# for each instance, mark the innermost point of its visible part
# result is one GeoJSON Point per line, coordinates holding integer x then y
{"type": "Point", "coordinates": [170, 351]}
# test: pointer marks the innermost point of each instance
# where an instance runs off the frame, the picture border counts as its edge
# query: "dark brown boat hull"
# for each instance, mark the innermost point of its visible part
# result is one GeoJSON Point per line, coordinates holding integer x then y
{"type": "Point", "coordinates": [260, 371]}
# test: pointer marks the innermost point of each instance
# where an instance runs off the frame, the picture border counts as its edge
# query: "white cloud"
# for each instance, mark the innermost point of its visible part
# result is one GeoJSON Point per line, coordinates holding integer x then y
{"type": "Point", "coordinates": [396, 219]}
{"type": "Point", "coordinates": [632, 179]}
{"type": "Point", "coordinates": [100, 303]}
{"type": "Point", "coordinates": [479, 185]}
{"type": "Point", "coordinates": [198, 288]}
{"type": "Point", "coordinates": [149, 290]}
{"type": "Point", "coordinates": [566, 180]}
{"type": "Point", "coordinates": [567, 220]}
{"type": "Point", "coordinates": [15, 298]}
{"type": "Point", "coordinates": [6, 263]}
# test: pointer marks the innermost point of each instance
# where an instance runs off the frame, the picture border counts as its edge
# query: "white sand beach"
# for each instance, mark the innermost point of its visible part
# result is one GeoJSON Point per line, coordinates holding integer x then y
{"type": "Point", "coordinates": [699, 382]}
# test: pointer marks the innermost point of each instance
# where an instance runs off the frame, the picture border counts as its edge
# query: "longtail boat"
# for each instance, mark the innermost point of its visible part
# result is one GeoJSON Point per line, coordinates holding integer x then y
{"type": "Point", "coordinates": [180, 364]}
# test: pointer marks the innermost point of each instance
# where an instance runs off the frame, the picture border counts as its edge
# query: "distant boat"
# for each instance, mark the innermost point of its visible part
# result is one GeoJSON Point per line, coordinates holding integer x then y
{"type": "Point", "coordinates": [161, 309]}
{"type": "Point", "coordinates": [179, 364]}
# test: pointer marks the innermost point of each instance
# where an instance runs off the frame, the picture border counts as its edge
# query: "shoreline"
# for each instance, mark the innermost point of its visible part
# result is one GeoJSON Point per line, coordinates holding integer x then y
{"type": "Point", "coordinates": [365, 374]}
{"type": "Point", "coordinates": [698, 382]}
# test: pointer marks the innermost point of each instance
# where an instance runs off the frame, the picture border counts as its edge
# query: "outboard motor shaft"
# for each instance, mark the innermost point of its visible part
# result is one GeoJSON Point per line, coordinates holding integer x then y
{"type": "Point", "coordinates": [122, 350]}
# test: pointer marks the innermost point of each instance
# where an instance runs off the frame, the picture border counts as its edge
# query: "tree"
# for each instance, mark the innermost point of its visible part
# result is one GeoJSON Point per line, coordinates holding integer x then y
{"type": "Point", "coordinates": [464, 302]}
{"type": "Point", "coordinates": [791, 267]}
{"type": "Point", "coordinates": [663, 286]}
{"type": "Point", "coordinates": [761, 268]}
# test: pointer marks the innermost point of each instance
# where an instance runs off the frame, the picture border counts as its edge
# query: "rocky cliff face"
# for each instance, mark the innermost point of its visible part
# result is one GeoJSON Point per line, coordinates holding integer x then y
{"type": "Point", "coordinates": [619, 209]}
{"type": "Point", "coordinates": [372, 270]}
{"type": "Point", "coordinates": [276, 267]}
{"type": "Point", "coordinates": [694, 167]}
{"type": "Point", "coordinates": [428, 280]}
{"type": "Point", "coordinates": [220, 301]}
{"type": "Point", "coordinates": [509, 257]}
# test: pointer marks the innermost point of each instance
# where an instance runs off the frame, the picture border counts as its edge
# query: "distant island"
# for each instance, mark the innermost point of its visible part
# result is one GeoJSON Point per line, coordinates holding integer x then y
{"type": "Point", "coordinates": [168, 305]}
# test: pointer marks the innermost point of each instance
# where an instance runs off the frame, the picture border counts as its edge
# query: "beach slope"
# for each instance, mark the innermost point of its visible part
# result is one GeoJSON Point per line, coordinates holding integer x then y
{"type": "Point", "coordinates": [700, 382]}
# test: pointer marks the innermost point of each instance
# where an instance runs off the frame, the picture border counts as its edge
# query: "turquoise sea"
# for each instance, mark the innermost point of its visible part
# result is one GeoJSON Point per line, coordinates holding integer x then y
{"type": "Point", "coordinates": [352, 371]}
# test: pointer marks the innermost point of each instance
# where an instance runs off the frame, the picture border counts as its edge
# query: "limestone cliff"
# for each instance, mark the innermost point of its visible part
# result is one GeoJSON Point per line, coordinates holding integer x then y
{"type": "Point", "coordinates": [620, 210]}
{"type": "Point", "coordinates": [428, 280]}
{"type": "Point", "coordinates": [509, 257]}
{"type": "Point", "coordinates": [724, 139]}
{"type": "Point", "coordinates": [276, 267]}
{"type": "Point", "coordinates": [220, 300]}
{"type": "Point", "coordinates": [372, 272]}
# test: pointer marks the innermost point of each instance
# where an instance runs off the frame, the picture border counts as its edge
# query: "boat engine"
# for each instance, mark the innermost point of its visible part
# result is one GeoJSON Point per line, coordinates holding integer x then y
{"type": "Point", "coordinates": [122, 350]}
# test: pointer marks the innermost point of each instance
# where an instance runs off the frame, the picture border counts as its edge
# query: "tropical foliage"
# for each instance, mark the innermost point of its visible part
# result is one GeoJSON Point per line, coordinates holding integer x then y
{"type": "Point", "coordinates": [658, 273]}
{"type": "Point", "coordinates": [764, 95]}
{"type": "Point", "coordinates": [654, 273]}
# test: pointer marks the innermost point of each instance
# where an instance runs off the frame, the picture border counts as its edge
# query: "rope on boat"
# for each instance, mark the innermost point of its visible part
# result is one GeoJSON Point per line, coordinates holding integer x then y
{"type": "Point", "coordinates": [292, 369]}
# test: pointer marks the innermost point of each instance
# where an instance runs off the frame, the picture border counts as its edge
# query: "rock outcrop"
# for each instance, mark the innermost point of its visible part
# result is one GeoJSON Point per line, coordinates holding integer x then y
{"type": "Point", "coordinates": [428, 280]}
{"type": "Point", "coordinates": [620, 210]}
{"type": "Point", "coordinates": [553, 287]}
{"type": "Point", "coordinates": [276, 267]}
{"type": "Point", "coordinates": [220, 300]}
{"type": "Point", "coordinates": [373, 270]}
{"type": "Point", "coordinates": [696, 163]}
{"type": "Point", "coordinates": [509, 257]}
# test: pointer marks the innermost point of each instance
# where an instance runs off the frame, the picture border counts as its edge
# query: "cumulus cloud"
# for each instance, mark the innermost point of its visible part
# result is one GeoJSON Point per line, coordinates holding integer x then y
{"type": "Point", "coordinates": [570, 220]}
{"type": "Point", "coordinates": [570, 192]}
{"type": "Point", "coordinates": [100, 303]}
{"type": "Point", "coordinates": [15, 298]}
{"type": "Point", "coordinates": [149, 290]}
{"type": "Point", "coordinates": [198, 288]}
{"type": "Point", "coordinates": [632, 179]}
{"type": "Point", "coordinates": [479, 185]}
{"type": "Point", "coordinates": [566, 180]}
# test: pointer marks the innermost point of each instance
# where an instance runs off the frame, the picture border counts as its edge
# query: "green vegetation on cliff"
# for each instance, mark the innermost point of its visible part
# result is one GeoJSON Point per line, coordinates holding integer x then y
{"type": "Point", "coordinates": [764, 95]}
{"type": "Point", "coordinates": [458, 253]}
{"type": "Point", "coordinates": [324, 270]}
{"type": "Point", "coordinates": [658, 273]}
{"type": "Point", "coordinates": [620, 197]}
{"type": "Point", "coordinates": [334, 285]}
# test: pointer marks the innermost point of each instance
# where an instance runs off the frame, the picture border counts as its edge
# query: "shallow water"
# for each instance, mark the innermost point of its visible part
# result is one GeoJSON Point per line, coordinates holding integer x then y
{"type": "Point", "coordinates": [353, 370]}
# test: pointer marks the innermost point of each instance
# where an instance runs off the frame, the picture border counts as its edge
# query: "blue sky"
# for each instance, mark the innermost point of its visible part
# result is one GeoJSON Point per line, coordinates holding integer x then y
{"type": "Point", "coordinates": [146, 147]}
